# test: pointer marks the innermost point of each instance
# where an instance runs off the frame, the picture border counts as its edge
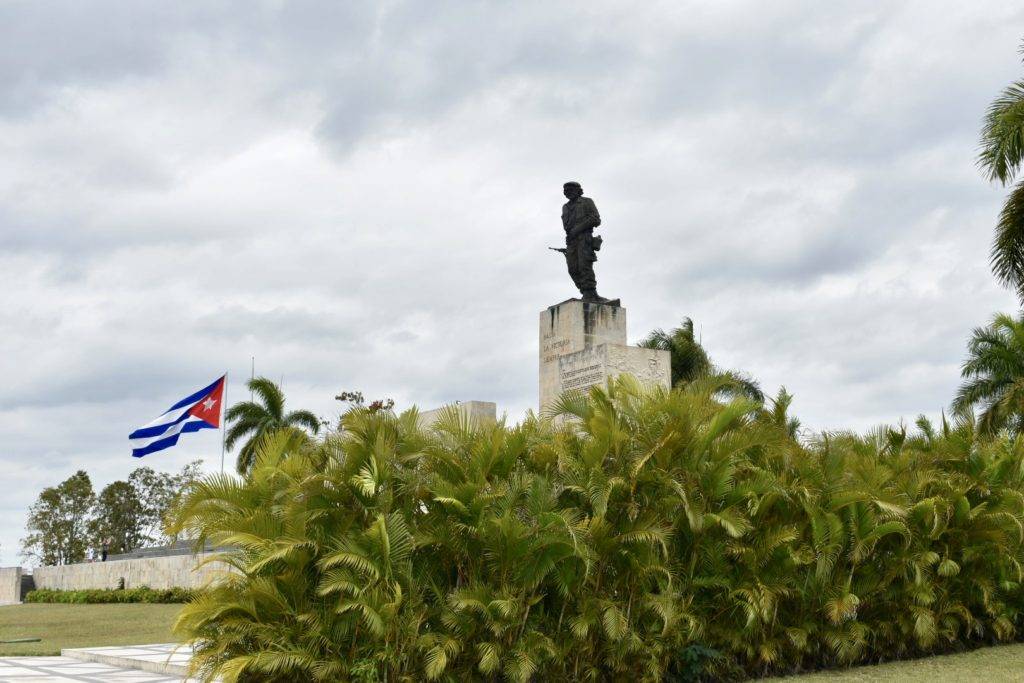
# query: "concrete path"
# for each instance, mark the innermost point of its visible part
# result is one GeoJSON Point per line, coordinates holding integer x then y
{"type": "Point", "coordinates": [135, 664]}
{"type": "Point", "coordinates": [53, 669]}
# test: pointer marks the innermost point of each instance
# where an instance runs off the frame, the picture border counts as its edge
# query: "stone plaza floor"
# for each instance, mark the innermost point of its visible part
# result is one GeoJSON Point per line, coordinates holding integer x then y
{"type": "Point", "coordinates": [134, 664]}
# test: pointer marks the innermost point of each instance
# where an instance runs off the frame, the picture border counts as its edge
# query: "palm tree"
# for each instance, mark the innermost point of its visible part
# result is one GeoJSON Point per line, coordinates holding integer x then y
{"type": "Point", "coordinates": [690, 361]}
{"type": "Point", "coordinates": [778, 413]}
{"type": "Point", "coordinates": [1001, 156]}
{"type": "Point", "coordinates": [251, 420]}
{"type": "Point", "coordinates": [994, 374]}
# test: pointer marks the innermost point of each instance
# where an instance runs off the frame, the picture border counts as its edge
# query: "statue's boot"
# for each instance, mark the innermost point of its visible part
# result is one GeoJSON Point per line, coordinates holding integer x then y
{"type": "Point", "coordinates": [591, 296]}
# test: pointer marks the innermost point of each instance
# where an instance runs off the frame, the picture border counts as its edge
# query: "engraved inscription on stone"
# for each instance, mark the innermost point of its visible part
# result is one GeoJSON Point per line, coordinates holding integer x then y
{"type": "Point", "coordinates": [552, 348]}
{"type": "Point", "coordinates": [582, 377]}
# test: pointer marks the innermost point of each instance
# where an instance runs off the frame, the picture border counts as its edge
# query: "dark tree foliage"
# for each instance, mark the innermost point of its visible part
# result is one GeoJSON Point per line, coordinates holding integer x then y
{"type": "Point", "coordinates": [68, 519]}
{"type": "Point", "coordinates": [157, 493]}
{"type": "Point", "coordinates": [58, 522]}
{"type": "Point", "coordinates": [118, 514]}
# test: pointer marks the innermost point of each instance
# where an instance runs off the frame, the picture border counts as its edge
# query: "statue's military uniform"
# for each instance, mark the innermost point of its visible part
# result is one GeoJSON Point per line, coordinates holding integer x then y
{"type": "Point", "coordinates": [579, 218]}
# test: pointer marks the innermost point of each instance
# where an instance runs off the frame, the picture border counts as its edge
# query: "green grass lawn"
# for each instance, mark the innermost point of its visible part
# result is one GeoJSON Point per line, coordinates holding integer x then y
{"type": "Point", "coordinates": [988, 664]}
{"type": "Point", "coordinates": [83, 626]}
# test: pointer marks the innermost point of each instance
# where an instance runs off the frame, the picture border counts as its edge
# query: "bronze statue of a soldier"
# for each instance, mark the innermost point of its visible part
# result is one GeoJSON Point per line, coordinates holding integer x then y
{"type": "Point", "coordinates": [579, 218]}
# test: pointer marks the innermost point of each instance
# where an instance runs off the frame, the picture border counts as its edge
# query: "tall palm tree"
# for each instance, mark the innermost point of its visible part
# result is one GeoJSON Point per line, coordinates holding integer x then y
{"type": "Point", "coordinates": [994, 374]}
{"type": "Point", "coordinates": [251, 420]}
{"type": "Point", "coordinates": [1001, 156]}
{"type": "Point", "coordinates": [690, 361]}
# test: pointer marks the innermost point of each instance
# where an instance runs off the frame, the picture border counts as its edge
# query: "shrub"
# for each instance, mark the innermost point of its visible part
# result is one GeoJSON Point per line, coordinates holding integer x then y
{"type": "Point", "coordinates": [653, 535]}
{"type": "Point", "coordinates": [126, 595]}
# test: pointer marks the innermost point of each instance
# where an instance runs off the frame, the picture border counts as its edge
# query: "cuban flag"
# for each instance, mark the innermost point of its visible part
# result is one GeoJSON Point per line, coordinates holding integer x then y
{"type": "Point", "coordinates": [201, 410]}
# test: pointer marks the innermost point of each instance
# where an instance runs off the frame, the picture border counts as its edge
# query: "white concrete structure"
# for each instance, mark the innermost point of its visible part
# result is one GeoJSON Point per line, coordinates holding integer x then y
{"type": "Point", "coordinates": [582, 344]}
{"type": "Point", "coordinates": [10, 585]}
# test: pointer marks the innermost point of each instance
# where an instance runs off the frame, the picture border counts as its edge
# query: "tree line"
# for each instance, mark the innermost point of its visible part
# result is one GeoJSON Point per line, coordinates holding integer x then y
{"type": "Point", "coordinates": [70, 519]}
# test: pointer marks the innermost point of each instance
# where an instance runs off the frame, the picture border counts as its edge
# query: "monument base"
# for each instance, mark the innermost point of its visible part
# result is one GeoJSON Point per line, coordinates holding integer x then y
{"type": "Point", "coordinates": [584, 343]}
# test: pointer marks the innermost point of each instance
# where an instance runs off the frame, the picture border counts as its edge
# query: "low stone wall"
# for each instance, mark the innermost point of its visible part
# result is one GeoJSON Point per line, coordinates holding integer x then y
{"type": "Point", "coordinates": [10, 585]}
{"type": "Point", "coordinates": [175, 571]}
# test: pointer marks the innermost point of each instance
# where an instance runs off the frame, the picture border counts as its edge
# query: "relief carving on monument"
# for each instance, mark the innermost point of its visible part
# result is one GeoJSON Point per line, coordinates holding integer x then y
{"type": "Point", "coordinates": [638, 362]}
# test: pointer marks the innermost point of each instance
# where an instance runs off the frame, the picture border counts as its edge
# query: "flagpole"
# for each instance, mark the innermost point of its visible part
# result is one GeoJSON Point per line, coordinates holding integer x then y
{"type": "Point", "coordinates": [223, 422]}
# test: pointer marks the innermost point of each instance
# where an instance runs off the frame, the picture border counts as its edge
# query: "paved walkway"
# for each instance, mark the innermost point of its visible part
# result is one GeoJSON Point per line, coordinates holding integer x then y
{"type": "Point", "coordinates": [53, 669]}
{"type": "Point", "coordinates": [135, 664]}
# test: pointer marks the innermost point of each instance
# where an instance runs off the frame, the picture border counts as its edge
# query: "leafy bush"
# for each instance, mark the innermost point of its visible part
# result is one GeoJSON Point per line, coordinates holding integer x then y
{"type": "Point", "coordinates": [126, 595]}
{"type": "Point", "coordinates": [691, 664]}
{"type": "Point", "coordinates": [664, 535]}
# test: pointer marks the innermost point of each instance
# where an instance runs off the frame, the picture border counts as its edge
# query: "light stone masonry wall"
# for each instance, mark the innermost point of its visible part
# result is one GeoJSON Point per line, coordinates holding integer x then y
{"type": "Point", "coordinates": [175, 571]}
{"type": "Point", "coordinates": [10, 585]}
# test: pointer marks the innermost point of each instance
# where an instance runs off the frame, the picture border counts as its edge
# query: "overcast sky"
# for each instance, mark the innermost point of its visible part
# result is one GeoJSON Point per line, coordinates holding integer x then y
{"type": "Point", "coordinates": [360, 196]}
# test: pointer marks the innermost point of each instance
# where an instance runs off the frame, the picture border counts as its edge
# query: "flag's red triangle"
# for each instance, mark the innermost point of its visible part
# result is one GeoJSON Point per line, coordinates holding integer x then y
{"type": "Point", "coordinates": [208, 408]}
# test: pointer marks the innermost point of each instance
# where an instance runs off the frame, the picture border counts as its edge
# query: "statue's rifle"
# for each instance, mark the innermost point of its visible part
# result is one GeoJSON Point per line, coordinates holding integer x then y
{"type": "Point", "coordinates": [557, 249]}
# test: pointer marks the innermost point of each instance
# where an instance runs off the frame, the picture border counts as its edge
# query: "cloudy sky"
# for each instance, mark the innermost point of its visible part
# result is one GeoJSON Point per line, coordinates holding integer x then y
{"type": "Point", "coordinates": [360, 196]}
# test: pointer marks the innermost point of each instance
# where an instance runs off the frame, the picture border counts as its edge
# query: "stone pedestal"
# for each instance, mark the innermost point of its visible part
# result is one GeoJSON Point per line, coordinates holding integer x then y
{"type": "Point", "coordinates": [582, 344]}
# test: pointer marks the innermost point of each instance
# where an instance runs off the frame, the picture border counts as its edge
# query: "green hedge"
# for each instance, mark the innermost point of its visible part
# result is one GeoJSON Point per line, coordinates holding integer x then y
{"type": "Point", "coordinates": [96, 596]}
{"type": "Point", "coordinates": [652, 537]}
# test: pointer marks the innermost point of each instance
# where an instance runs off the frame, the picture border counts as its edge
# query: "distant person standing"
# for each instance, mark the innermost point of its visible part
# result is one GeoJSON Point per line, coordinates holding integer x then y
{"type": "Point", "coordinates": [106, 549]}
{"type": "Point", "coordinates": [90, 554]}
